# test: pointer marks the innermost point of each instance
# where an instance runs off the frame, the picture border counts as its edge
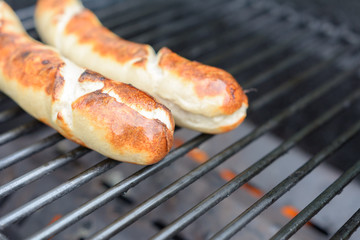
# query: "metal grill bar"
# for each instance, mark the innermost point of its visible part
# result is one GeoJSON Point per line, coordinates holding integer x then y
{"type": "Point", "coordinates": [135, 18]}
{"type": "Point", "coordinates": [223, 192]}
{"type": "Point", "coordinates": [57, 192]}
{"type": "Point", "coordinates": [254, 41]}
{"type": "Point", "coordinates": [118, 189]}
{"type": "Point", "coordinates": [348, 228]}
{"type": "Point", "coordinates": [41, 171]}
{"type": "Point", "coordinates": [238, 223]}
{"type": "Point", "coordinates": [28, 151]}
{"type": "Point", "coordinates": [204, 168]}
{"type": "Point", "coordinates": [258, 20]}
{"type": "Point", "coordinates": [267, 53]}
{"type": "Point", "coordinates": [2, 237]}
{"type": "Point", "coordinates": [141, 175]}
{"type": "Point", "coordinates": [185, 23]}
{"type": "Point", "coordinates": [18, 131]}
{"type": "Point", "coordinates": [287, 62]}
{"type": "Point", "coordinates": [292, 83]}
{"type": "Point", "coordinates": [219, 55]}
{"type": "Point", "coordinates": [26, 12]}
{"type": "Point", "coordinates": [262, 56]}
{"type": "Point", "coordinates": [158, 17]}
{"type": "Point", "coordinates": [101, 8]}
{"type": "Point", "coordinates": [121, 13]}
{"type": "Point", "coordinates": [127, 31]}
{"type": "Point", "coordinates": [318, 203]}
{"type": "Point", "coordinates": [50, 234]}
{"type": "Point", "coordinates": [177, 39]}
{"type": "Point", "coordinates": [3, 98]}
{"type": "Point", "coordinates": [281, 66]}
{"type": "Point", "coordinates": [10, 113]}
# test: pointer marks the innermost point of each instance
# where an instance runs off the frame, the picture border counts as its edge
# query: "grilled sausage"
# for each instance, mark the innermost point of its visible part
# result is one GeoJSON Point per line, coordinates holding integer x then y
{"type": "Point", "coordinates": [107, 116]}
{"type": "Point", "coordinates": [200, 97]}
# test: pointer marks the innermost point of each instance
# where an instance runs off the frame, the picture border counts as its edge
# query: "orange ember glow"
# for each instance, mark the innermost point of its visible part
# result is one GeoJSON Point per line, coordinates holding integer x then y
{"type": "Point", "coordinates": [178, 142]}
{"type": "Point", "coordinates": [55, 218]}
{"type": "Point", "coordinates": [252, 190]}
{"type": "Point", "coordinates": [227, 174]}
{"type": "Point", "coordinates": [197, 155]}
{"type": "Point", "coordinates": [289, 211]}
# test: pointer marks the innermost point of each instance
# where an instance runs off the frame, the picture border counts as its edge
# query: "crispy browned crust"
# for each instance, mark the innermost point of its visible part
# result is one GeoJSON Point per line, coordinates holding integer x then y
{"type": "Point", "coordinates": [208, 81]}
{"type": "Point", "coordinates": [127, 92]}
{"type": "Point", "coordinates": [34, 66]}
{"type": "Point", "coordinates": [216, 88]}
{"type": "Point", "coordinates": [31, 65]}
{"type": "Point", "coordinates": [228, 128]}
{"type": "Point", "coordinates": [87, 28]}
{"type": "Point", "coordinates": [56, 6]}
{"type": "Point", "coordinates": [133, 133]}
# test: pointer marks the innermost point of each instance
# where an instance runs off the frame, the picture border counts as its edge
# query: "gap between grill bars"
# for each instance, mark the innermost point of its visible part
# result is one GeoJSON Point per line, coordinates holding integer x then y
{"type": "Point", "coordinates": [132, 20]}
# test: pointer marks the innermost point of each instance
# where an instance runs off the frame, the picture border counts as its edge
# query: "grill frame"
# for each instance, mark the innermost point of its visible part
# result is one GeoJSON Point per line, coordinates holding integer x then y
{"type": "Point", "coordinates": [145, 172]}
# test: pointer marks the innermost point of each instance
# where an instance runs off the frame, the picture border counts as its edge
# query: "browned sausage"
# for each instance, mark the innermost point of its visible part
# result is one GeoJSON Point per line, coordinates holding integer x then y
{"type": "Point", "coordinates": [200, 97]}
{"type": "Point", "coordinates": [110, 117]}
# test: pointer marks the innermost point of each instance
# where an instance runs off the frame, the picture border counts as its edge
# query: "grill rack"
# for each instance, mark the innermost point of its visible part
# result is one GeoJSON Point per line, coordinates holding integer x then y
{"type": "Point", "coordinates": [171, 32]}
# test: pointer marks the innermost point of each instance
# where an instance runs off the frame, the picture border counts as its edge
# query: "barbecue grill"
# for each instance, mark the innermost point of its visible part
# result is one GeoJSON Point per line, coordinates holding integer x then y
{"type": "Point", "coordinates": [296, 152]}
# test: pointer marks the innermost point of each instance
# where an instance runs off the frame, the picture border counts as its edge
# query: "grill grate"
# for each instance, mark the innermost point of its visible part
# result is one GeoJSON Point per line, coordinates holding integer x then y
{"type": "Point", "coordinates": [268, 47]}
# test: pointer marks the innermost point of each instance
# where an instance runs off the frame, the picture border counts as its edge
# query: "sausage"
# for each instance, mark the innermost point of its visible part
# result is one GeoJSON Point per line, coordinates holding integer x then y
{"type": "Point", "coordinates": [200, 97]}
{"type": "Point", "coordinates": [110, 117]}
